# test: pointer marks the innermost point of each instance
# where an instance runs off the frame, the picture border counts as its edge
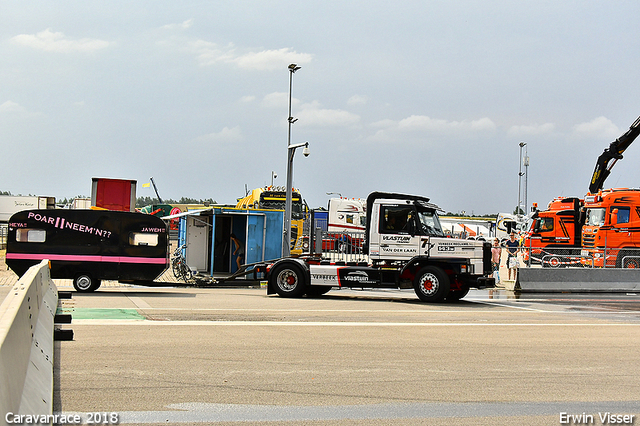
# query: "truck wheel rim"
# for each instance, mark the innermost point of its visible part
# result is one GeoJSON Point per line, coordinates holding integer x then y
{"type": "Point", "coordinates": [429, 284]}
{"type": "Point", "coordinates": [287, 280]}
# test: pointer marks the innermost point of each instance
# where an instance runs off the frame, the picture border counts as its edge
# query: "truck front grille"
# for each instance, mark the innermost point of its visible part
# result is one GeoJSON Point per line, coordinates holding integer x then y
{"type": "Point", "coordinates": [589, 240]}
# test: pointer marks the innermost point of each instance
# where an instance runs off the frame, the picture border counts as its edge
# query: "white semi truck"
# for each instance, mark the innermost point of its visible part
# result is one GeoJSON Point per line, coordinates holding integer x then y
{"type": "Point", "coordinates": [406, 248]}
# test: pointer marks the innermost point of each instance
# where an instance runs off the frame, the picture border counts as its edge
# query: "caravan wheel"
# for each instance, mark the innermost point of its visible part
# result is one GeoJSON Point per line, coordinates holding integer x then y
{"type": "Point", "coordinates": [85, 283]}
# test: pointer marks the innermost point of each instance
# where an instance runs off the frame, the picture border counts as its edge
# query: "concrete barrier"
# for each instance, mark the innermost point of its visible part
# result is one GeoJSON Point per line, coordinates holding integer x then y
{"type": "Point", "coordinates": [579, 280]}
{"type": "Point", "coordinates": [26, 344]}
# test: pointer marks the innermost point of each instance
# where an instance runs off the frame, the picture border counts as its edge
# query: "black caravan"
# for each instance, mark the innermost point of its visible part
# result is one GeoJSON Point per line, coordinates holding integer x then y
{"type": "Point", "coordinates": [89, 245]}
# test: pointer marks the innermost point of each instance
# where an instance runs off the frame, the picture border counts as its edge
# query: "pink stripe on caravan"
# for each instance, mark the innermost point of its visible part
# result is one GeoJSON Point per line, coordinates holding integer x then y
{"type": "Point", "coordinates": [80, 258]}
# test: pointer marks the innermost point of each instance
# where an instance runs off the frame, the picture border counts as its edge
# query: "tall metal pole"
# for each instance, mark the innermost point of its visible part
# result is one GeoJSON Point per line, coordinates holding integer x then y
{"type": "Point", "coordinates": [526, 180]}
{"type": "Point", "coordinates": [286, 247]}
{"type": "Point", "coordinates": [519, 208]}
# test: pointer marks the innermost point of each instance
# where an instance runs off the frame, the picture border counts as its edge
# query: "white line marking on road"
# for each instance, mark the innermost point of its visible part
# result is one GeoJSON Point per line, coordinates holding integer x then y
{"type": "Point", "coordinates": [339, 324]}
{"type": "Point", "coordinates": [198, 412]}
{"type": "Point", "coordinates": [504, 305]}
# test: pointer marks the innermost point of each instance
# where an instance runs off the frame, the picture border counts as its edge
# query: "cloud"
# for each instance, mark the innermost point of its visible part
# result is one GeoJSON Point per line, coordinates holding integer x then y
{"type": "Point", "coordinates": [384, 124]}
{"type": "Point", "coordinates": [181, 26]}
{"type": "Point", "coordinates": [531, 130]}
{"type": "Point", "coordinates": [11, 107]}
{"type": "Point", "coordinates": [313, 115]}
{"type": "Point", "coordinates": [209, 54]}
{"type": "Point", "coordinates": [425, 123]}
{"type": "Point", "coordinates": [247, 99]}
{"type": "Point", "coordinates": [57, 42]}
{"type": "Point", "coordinates": [422, 125]}
{"type": "Point", "coordinates": [357, 100]}
{"type": "Point", "coordinates": [278, 100]}
{"type": "Point", "coordinates": [226, 135]}
{"type": "Point", "coordinates": [600, 127]}
{"type": "Point", "coordinates": [271, 59]}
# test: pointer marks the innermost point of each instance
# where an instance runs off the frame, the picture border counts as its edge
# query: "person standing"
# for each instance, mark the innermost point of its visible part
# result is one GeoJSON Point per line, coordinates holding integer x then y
{"type": "Point", "coordinates": [496, 251]}
{"type": "Point", "coordinates": [513, 246]}
{"type": "Point", "coordinates": [239, 251]}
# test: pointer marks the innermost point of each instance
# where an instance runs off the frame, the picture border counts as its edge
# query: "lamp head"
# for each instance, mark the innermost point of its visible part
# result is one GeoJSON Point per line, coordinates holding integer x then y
{"type": "Point", "coordinates": [306, 151]}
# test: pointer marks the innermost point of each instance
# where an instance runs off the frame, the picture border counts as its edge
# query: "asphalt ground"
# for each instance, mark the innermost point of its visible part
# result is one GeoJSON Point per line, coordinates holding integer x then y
{"type": "Point", "coordinates": [235, 356]}
{"type": "Point", "coordinates": [238, 356]}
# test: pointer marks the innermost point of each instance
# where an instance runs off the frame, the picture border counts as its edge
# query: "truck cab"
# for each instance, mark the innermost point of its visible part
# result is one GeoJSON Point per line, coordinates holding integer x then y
{"type": "Point", "coordinates": [346, 215]}
{"type": "Point", "coordinates": [555, 233]}
{"type": "Point", "coordinates": [611, 233]}
{"type": "Point", "coordinates": [409, 229]}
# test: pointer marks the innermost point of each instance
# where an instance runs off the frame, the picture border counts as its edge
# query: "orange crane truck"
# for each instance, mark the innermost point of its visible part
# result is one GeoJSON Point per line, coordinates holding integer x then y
{"type": "Point", "coordinates": [605, 224]}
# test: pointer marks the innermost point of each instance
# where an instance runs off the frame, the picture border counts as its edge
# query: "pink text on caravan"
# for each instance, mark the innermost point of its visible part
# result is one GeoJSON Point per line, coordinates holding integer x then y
{"type": "Point", "coordinates": [60, 222]}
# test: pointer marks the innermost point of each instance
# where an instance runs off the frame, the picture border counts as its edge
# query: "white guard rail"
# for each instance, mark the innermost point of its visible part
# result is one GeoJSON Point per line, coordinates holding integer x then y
{"type": "Point", "coordinates": [26, 344]}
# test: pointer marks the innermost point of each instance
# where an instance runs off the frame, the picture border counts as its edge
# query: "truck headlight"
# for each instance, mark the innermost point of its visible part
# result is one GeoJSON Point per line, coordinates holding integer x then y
{"type": "Point", "coordinates": [463, 269]}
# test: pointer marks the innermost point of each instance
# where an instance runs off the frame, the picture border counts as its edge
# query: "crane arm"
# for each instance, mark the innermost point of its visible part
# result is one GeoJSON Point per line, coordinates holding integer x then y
{"type": "Point", "coordinates": [611, 155]}
{"type": "Point", "coordinates": [156, 189]}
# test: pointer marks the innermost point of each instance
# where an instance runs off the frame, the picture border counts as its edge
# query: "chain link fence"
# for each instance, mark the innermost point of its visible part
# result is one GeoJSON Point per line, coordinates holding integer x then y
{"type": "Point", "coordinates": [580, 257]}
{"type": "Point", "coordinates": [339, 247]}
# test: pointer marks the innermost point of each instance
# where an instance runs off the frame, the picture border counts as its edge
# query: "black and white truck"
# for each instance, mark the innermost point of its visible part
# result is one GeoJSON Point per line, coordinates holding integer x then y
{"type": "Point", "coordinates": [406, 248]}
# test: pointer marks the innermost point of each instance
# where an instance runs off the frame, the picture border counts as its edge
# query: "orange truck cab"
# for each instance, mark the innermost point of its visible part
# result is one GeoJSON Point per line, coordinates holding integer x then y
{"type": "Point", "coordinates": [611, 233]}
{"type": "Point", "coordinates": [555, 233]}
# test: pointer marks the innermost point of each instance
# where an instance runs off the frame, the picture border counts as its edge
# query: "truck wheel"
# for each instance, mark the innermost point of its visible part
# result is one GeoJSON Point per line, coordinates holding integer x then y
{"type": "Point", "coordinates": [431, 284]}
{"type": "Point", "coordinates": [289, 280]}
{"type": "Point", "coordinates": [628, 259]}
{"type": "Point", "coordinates": [84, 283]}
{"type": "Point", "coordinates": [456, 295]}
{"type": "Point", "coordinates": [554, 262]}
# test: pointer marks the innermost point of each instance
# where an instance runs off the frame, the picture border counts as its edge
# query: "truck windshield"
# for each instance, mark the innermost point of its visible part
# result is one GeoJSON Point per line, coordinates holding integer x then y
{"type": "Point", "coordinates": [544, 224]}
{"type": "Point", "coordinates": [430, 222]}
{"type": "Point", "coordinates": [278, 201]}
{"type": "Point", "coordinates": [595, 217]}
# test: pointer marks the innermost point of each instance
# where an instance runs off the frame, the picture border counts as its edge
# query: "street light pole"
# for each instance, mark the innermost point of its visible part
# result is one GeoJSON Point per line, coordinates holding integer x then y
{"type": "Point", "coordinates": [526, 179]}
{"type": "Point", "coordinates": [291, 150]}
{"type": "Point", "coordinates": [286, 247]}
{"type": "Point", "coordinates": [520, 174]}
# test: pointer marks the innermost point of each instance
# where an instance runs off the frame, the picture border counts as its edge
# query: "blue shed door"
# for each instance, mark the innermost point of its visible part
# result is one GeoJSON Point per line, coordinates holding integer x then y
{"type": "Point", "coordinates": [255, 238]}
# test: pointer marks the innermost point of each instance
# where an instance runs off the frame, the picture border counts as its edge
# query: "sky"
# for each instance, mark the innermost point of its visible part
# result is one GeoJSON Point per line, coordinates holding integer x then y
{"type": "Point", "coordinates": [426, 97]}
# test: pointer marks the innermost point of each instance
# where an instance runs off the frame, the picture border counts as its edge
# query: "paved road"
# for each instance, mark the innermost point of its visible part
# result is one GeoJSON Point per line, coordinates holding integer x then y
{"type": "Point", "coordinates": [237, 356]}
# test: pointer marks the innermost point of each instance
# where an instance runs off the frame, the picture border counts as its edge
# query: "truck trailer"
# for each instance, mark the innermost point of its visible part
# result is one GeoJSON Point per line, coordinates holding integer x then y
{"type": "Point", "coordinates": [89, 246]}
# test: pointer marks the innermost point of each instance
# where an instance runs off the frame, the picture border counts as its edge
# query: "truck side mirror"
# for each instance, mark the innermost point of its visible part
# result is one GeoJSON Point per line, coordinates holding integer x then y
{"type": "Point", "coordinates": [614, 216]}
